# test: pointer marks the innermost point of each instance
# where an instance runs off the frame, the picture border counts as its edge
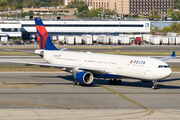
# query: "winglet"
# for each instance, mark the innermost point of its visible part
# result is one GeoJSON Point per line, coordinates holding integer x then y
{"type": "Point", "coordinates": [173, 54]}
{"type": "Point", "coordinates": [167, 58]}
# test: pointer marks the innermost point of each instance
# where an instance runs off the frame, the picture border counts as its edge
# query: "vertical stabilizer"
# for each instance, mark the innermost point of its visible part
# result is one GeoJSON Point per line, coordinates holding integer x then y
{"type": "Point", "coordinates": [45, 41]}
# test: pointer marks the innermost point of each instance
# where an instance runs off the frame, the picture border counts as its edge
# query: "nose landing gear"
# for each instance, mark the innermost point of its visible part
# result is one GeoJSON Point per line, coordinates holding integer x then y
{"type": "Point", "coordinates": [154, 85]}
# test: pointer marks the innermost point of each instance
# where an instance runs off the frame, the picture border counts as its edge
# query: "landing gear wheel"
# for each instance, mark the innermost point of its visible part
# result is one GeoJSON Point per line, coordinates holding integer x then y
{"type": "Point", "coordinates": [119, 82]}
{"type": "Point", "coordinates": [110, 82]}
{"type": "Point", "coordinates": [115, 82]}
{"type": "Point", "coordinates": [74, 82]}
{"type": "Point", "coordinates": [81, 84]}
{"type": "Point", "coordinates": [154, 85]}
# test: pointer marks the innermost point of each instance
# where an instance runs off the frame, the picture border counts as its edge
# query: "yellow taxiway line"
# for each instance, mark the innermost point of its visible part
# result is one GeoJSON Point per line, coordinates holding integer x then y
{"type": "Point", "coordinates": [147, 109]}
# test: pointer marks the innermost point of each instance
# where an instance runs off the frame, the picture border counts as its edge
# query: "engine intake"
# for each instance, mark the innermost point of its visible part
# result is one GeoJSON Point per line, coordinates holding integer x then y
{"type": "Point", "coordinates": [84, 77]}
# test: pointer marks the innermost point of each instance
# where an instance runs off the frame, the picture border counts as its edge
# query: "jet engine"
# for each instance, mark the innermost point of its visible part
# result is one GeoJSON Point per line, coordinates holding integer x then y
{"type": "Point", "coordinates": [84, 77]}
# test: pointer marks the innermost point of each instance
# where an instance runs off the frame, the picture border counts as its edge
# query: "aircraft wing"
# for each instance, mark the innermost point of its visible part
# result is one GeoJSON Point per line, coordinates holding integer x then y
{"type": "Point", "coordinates": [171, 57]}
{"type": "Point", "coordinates": [61, 66]}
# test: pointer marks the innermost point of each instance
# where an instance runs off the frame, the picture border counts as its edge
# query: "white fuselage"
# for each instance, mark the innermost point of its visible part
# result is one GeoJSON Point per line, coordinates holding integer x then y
{"type": "Point", "coordinates": [144, 68]}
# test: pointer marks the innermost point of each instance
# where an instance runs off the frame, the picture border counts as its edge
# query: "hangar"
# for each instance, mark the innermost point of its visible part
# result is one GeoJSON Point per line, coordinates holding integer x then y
{"type": "Point", "coordinates": [26, 28]}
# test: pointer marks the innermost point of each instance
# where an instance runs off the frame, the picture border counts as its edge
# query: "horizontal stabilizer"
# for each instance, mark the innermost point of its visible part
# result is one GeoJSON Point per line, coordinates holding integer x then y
{"type": "Point", "coordinates": [63, 49]}
{"type": "Point", "coordinates": [23, 51]}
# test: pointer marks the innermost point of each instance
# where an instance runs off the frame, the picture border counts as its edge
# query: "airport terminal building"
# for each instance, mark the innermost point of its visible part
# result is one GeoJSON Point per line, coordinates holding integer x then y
{"type": "Point", "coordinates": [9, 30]}
{"type": "Point", "coordinates": [26, 29]}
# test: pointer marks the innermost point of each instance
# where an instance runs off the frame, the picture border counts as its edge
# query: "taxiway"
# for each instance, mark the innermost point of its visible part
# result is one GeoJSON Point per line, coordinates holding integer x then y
{"type": "Point", "coordinates": [49, 95]}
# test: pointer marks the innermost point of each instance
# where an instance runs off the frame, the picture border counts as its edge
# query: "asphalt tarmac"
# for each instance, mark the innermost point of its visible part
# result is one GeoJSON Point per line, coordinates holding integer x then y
{"type": "Point", "coordinates": [35, 95]}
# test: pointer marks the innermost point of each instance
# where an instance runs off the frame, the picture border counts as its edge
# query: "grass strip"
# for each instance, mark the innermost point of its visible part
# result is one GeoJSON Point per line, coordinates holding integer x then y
{"type": "Point", "coordinates": [15, 53]}
{"type": "Point", "coordinates": [37, 68]}
{"type": "Point", "coordinates": [175, 68]}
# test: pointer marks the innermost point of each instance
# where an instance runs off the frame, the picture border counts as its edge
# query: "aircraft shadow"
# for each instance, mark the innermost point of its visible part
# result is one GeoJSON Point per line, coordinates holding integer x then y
{"type": "Point", "coordinates": [167, 80]}
{"type": "Point", "coordinates": [138, 84]}
{"type": "Point", "coordinates": [96, 82]}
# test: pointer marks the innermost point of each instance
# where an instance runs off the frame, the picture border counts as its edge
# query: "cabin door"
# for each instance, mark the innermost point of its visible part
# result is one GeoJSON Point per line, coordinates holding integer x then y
{"type": "Point", "coordinates": [80, 61]}
{"type": "Point", "coordinates": [120, 65]}
{"type": "Point", "coordinates": [148, 70]}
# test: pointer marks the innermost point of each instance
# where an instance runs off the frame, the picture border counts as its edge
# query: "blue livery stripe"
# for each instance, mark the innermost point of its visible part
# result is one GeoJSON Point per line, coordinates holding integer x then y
{"type": "Point", "coordinates": [38, 21]}
{"type": "Point", "coordinates": [49, 45]}
{"type": "Point", "coordinates": [41, 39]}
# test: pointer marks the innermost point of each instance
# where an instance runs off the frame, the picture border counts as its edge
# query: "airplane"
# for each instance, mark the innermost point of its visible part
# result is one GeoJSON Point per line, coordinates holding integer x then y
{"type": "Point", "coordinates": [85, 66]}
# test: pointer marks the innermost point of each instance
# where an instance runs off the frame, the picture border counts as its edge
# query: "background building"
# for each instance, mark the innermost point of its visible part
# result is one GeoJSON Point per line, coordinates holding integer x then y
{"type": "Point", "coordinates": [10, 29]}
{"type": "Point", "coordinates": [88, 2]}
{"type": "Point", "coordinates": [146, 6]}
{"type": "Point", "coordinates": [121, 7]}
{"type": "Point", "coordinates": [51, 11]}
{"type": "Point", "coordinates": [127, 7]}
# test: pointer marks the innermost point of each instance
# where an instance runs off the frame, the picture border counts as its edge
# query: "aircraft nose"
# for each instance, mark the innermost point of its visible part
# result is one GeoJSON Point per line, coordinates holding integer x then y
{"type": "Point", "coordinates": [168, 72]}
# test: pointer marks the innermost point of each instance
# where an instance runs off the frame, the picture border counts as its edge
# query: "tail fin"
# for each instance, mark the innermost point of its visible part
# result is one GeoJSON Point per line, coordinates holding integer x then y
{"type": "Point", "coordinates": [45, 41]}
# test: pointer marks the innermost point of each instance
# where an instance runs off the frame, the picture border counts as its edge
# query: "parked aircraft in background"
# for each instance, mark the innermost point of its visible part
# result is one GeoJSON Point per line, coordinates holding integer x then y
{"type": "Point", "coordinates": [87, 66]}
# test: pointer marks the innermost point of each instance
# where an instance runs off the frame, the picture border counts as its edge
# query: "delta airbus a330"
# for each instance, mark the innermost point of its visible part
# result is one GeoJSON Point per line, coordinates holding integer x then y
{"type": "Point", "coordinates": [87, 66]}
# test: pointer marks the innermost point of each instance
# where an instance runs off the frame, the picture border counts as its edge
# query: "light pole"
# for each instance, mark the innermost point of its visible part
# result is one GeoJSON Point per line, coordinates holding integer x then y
{"type": "Point", "coordinates": [169, 17]}
{"type": "Point", "coordinates": [110, 16]}
{"type": "Point", "coordinates": [139, 13]}
{"type": "Point", "coordinates": [132, 15]}
{"type": "Point", "coordinates": [101, 16]}
{"type": "Point", "coordinates": [164, 17]}
{"type": "Point", "coordinates": [20, 14]}
{"type": "Point", "coordinates": [8, 10]}
{"type": "Point", "coordinates": [98, 16]}
{"type": "Point", "coordinates": [153, 12]}
{"type": "Point", "coordinates": [16, 14]}
{"type": "Point", "coordinates": [115, 12]}
{"type": "Point", "coordinates": [161, 14]}
{"type": "Point", "coordinates": [106, 16]}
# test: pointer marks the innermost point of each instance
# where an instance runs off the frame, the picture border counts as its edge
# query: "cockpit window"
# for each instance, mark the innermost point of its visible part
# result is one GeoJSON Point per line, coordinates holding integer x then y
{"type": "Point", "coordinates": [163, 66]}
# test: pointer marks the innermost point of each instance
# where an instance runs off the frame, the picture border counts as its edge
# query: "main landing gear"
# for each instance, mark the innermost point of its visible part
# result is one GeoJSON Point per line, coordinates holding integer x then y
{"type": "Point", "coordinates": [115, 82]}
{"type": "Point", "coordinates": [77, 83]}
{"type": "Point", "coordinates": [154, 85]}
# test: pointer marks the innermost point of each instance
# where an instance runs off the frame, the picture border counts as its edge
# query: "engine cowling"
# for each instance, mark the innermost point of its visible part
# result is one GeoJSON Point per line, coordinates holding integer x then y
{"type": "Point", "coordinates": [84, 77]}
